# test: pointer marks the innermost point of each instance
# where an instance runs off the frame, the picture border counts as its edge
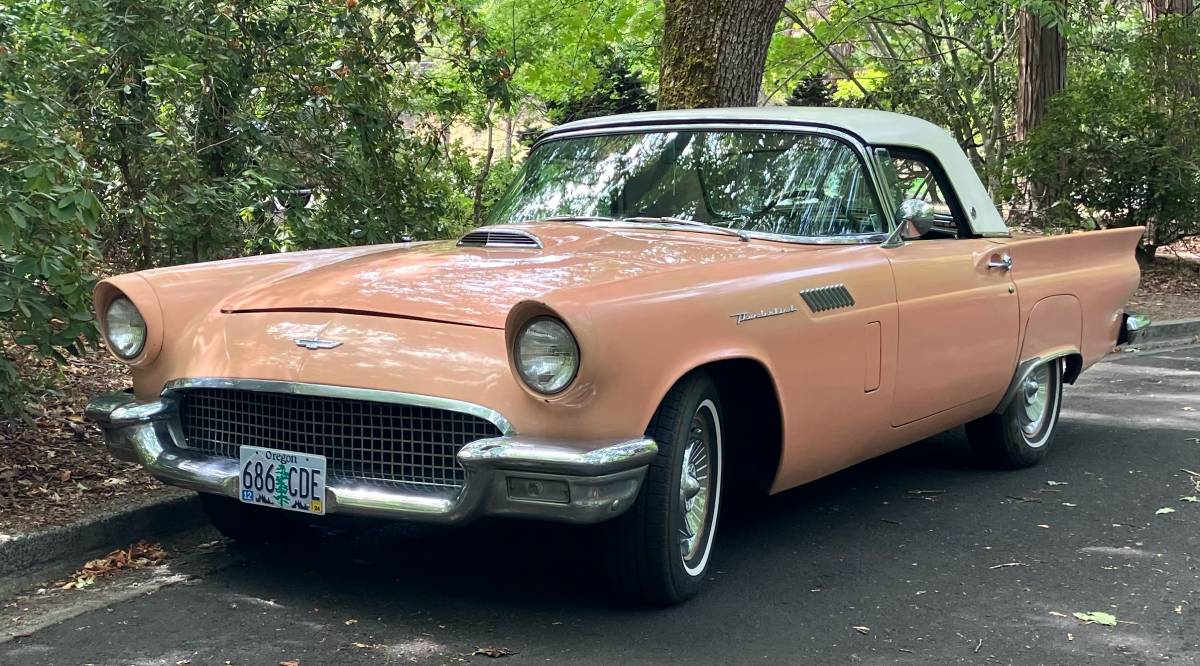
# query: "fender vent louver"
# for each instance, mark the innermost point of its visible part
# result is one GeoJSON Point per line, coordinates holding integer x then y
{"type": "Point", "coordinates": [832, 297]}
{"type": "Point", "coordinates": [499, 238]}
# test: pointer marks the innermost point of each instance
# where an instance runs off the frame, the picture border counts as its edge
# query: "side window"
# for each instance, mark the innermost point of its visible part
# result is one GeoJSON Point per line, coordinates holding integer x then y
{"type": "Point", "coordinates": [913, 175]}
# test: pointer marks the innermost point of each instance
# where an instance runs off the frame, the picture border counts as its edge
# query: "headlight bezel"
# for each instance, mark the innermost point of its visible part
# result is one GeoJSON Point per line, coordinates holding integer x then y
{"type": "Point", "coordinates": [133, 315]}
{"type": "Point", "coordinates": [519, 368]}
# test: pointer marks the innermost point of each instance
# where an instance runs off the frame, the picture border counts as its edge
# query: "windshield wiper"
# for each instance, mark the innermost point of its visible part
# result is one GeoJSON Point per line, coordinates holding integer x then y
{"type": "Point", "coordinates": [745, 237]}
{"type": "Point", "coordinates": [578, 218]}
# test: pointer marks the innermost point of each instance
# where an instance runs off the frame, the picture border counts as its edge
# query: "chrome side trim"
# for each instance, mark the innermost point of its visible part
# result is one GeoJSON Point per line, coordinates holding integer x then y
{"type": "Point", "coordinates": [831, 297]}
{"type": "Point", "coordinates": [1022, 374]}
{"type": "Point", "coordinates": [350, 392]}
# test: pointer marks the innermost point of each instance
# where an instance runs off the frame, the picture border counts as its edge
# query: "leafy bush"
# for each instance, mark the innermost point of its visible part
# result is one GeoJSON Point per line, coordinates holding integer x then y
{"type": "Point", "coordinates": [1121, 143]}
{"type": "Point", "coordinates": [48, 212]}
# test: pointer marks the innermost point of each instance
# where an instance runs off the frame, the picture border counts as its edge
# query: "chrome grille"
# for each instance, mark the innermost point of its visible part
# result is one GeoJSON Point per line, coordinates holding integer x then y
{"type": "Point", "coordinates": [391, 444]}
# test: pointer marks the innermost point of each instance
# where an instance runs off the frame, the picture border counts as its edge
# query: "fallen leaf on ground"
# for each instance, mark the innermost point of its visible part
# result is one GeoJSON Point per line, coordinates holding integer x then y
{"type": "Point", "coordinates": [1165, 509]}
{"type": "Point", "coordinates": [1058, 614]}
{"type": "Point", "coordinates": [1009, 564]}
{"type": "Point", "coordinates": [1058, 483]}
{"type": "Point", "coordinates": [1043, 526]}
{"type": "Point", "coordinates": [362, 646]}
{"type": "Point", "coordinates": [288, 662]}
{"type": "Point", "coordinates": [863, 630]}
{"type": "Point", "coordinates": [140, 554]}
{"type": "Point", "coordinates": [493, 652]}
{"type": "Point", "coordinates": [351, 621]}
{"type": "Point", "coordinates": [1189, 498]}
{"type": "Point", "coordinates": [1097, 617]}
{"type": "Point", "coordinates": [1188, 409]}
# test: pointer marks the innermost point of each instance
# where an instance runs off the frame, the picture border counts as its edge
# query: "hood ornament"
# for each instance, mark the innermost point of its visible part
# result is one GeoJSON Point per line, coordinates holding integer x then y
{"type": "Point", "coordinates": [316, 343]}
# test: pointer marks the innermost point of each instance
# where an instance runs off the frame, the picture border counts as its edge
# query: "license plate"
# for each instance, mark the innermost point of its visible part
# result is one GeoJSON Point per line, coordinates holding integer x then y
{"type": "Point", "coordinates": [283, 480]}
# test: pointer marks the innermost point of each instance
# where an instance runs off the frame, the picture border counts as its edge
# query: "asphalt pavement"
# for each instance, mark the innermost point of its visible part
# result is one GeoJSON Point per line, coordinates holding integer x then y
{"type": "Point", "coordinates": [918, 557]}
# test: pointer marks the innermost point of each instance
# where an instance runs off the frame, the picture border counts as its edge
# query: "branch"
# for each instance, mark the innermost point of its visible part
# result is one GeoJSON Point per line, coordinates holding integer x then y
{"type": "Point", "coordinates": [837, 60]}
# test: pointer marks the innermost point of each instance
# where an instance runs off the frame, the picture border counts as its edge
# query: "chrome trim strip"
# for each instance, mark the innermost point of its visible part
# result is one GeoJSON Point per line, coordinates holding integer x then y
{"type": "Point", "coordinates": [350, 392]}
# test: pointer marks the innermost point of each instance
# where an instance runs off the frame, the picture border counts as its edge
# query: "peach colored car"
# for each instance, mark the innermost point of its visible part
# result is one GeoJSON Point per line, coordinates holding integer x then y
{"type": "Point", "coordinates": [662, 308]}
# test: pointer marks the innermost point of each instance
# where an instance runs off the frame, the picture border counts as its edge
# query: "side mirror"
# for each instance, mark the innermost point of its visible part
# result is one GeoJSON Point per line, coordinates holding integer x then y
{"type": "Point", "coordinates": [914, 215]}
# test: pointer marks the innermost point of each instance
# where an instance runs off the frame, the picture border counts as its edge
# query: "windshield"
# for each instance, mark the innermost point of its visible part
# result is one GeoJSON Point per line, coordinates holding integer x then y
{"type": "Point", "coordinates": [768, 182]}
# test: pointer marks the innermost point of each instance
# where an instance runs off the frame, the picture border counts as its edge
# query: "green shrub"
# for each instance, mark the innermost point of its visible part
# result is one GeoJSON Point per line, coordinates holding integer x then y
{"type": "Point", "coordinates": [48, 212]}
{"type": "Point", "coordinates": [1122, 144]}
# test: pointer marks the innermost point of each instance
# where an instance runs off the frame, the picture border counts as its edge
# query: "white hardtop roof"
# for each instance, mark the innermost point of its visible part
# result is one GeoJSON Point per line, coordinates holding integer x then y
{"type": "Point", "coordinates": [876, 128]}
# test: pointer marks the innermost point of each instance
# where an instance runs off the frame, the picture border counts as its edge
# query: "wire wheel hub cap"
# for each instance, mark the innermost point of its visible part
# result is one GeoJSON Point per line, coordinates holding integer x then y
{"type": "Point", "coordinates": [695, 486]}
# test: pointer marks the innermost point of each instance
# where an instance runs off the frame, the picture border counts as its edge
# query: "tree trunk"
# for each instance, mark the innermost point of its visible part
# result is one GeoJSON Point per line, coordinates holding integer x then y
{"type": "Point", "coordinates": [1041, 70]}
{"type": "Point", "coordinates": [1156, 8]}
{"type": "Point", "coordinates": [714, 52]}
{"type": "Point", "coordinates": [1041, 73]}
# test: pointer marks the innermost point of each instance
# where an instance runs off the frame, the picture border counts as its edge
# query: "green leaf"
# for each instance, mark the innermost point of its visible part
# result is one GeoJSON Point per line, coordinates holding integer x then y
{"type": "Point", "coordinates": [18, 218]}
{"type": "Point", "coordinates": [1097, 617]}
{"type": "Point", "coordinates": [1165, 509]}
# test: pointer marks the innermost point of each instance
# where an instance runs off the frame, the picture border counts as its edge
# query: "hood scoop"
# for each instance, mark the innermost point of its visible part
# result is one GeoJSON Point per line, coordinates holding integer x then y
{"type": "Point", "coordinates": [496, 237]}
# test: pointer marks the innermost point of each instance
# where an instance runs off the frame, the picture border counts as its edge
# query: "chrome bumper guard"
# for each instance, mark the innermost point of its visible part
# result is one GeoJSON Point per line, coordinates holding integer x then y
{"type": "Point", "coordinates": [1133, 327]}
{"type": "Point", "coordinates": [568, 481]}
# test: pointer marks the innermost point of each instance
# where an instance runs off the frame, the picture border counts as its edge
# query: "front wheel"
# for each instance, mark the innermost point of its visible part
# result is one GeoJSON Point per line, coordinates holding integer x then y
{"type": "Point", "coordinates": [1021, 435]}
{"type": "Point", "coordinates": [659, 550]}
{"type": "Point", "coordinates": [251, 525]}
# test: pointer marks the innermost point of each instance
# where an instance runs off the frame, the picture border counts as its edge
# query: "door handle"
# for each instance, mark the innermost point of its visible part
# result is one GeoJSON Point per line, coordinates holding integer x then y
{"type": "Point", "coordinates": [1002, 262]}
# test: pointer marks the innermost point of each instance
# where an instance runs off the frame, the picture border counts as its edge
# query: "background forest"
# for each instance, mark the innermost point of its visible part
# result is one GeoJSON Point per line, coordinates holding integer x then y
{"type": "Point", "coordinates": [143, 133]}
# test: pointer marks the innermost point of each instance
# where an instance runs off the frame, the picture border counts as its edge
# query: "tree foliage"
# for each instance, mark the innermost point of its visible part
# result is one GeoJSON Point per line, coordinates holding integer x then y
{"type": "Point", "coordinates": [138, 133]}
{"type": "Point", "coordinates": [149, 132]}
{"type": "Point", "coordinates": [1122, 140]}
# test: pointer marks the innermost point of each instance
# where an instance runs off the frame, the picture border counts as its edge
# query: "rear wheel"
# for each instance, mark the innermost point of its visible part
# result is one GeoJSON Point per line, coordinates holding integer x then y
{"type": "Point", "coordinates": [660, 549]}
{"type": "Point", "coordinates": [1021, 435]}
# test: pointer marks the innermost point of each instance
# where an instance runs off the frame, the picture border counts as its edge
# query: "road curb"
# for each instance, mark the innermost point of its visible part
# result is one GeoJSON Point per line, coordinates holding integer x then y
{"type": "Point", "coordinates": [1170, 333]}
{"type": "Point", "coordinates": [30, 558]}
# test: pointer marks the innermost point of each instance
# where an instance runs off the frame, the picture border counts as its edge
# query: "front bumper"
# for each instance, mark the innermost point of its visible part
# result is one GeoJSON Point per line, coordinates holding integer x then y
{"type": "Point", "coordinates": [503, 474]}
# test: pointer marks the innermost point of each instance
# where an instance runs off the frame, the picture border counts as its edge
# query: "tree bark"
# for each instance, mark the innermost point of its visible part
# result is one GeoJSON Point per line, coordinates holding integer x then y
{"type": "Point", "coordinates": [1156, 8]}
{"type": "Point", "coordinates": [714, 52]}
{"type": "Point", "coordinates": [1041, 69]}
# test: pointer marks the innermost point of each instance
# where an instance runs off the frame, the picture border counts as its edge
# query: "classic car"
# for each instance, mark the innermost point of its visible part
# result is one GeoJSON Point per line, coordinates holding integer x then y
{"type": "Point", "coordinates": [664, 308]}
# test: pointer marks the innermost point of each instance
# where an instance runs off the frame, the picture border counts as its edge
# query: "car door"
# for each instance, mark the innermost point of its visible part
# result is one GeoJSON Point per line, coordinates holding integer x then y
{"type": "Point", "coordinates": [957, 309]}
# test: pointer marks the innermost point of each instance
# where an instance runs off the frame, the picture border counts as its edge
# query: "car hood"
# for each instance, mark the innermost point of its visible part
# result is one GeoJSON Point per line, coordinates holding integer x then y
{"type": "Point", "coordinates": [478, 286]}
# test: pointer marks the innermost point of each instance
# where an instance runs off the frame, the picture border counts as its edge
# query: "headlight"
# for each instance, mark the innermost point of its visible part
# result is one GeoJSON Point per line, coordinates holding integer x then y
{"type": "Point", "coordinates": [124, 328]}
{"type": "Point", "coordinates": [547, 357]}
